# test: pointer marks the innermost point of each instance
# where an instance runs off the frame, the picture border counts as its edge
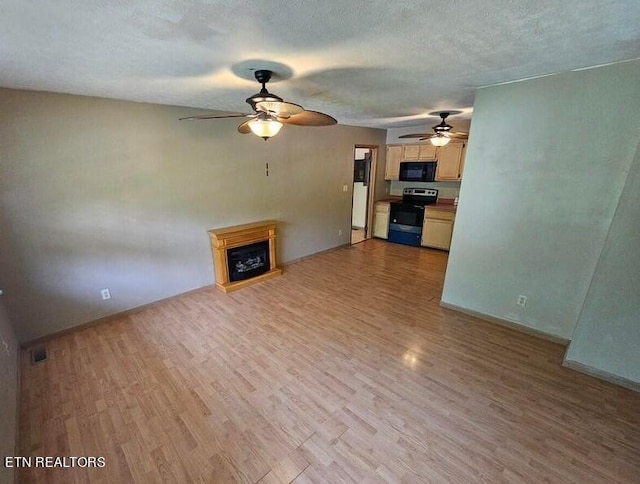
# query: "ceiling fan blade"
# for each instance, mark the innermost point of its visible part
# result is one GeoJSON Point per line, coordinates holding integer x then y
{"type": "Point", "coordinates": [269, 107]}
{"type": "Point", "coordinates": [280, 109]}
{"type": "Point", "coordinates": [414, 135]}
{"type": "Point", "coordinates": [424, 136]}
{"type": "Point", "coordinates": [216, 116]}
{"type": "Point", "coordinates": [243, 128]}
{"type": "Point", "coordinates": [309, 118]}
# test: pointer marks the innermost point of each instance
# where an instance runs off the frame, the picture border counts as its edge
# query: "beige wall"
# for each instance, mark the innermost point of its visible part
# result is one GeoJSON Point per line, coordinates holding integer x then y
{"type": "Point", "coordinates": [108, 194]}
{"type": "Point", "coordinates": [9, 353]}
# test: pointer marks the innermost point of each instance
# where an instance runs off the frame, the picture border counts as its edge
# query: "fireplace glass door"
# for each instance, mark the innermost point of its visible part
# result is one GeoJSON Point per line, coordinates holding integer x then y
{"type": "Point", "coordinates": [248, 261]}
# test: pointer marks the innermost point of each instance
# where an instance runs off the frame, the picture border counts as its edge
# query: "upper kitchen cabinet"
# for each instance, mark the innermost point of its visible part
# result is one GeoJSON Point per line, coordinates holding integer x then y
{"type": "Point", "coordinates": [427, 151]}
{"type": "Point", "coordinates": [392, 167]}
{"type": "Point", "coordinates": [419, 152]}
{"type": "Point", "coordinates": [411, 152]}
{"type": "Point", "coordinates": [463, 157]}
{"type": "Point", "coordinates": [406, 152]}
{"type": "Point", "coordinates": [450, 162]}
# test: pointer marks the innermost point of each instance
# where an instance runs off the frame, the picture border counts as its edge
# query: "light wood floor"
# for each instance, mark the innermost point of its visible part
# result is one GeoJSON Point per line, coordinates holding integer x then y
{"type": "Point", "coordinates": [345, 369]}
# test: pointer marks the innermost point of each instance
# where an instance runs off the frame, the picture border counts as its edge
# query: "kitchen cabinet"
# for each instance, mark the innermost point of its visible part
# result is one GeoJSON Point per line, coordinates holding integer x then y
{"type": "Point", "coordinates": [408, 152]}
{"type": "Point", "coordinates": [450, 161]}
{"type": "Point", "coordinates": [392, 167]}
{"type": "Point", "coordinates": [381, 220]}
{"type": "Point", "coordinates": [411, 152]}
{"type": "Point", "coordinates": [419, 152]}
{"type": "Point", "coordinates": [437, 228]}
{"type": "Point", "coordinates": [463, 157]}
{"type": "Point", "coordinates": [427, 151]}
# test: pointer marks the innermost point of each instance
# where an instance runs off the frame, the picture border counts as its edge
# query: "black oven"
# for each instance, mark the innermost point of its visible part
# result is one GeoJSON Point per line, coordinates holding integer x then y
{"type": "Point", "coordinates": [406, 217]}
{"type": "Point", "coordinates": [405, 223]}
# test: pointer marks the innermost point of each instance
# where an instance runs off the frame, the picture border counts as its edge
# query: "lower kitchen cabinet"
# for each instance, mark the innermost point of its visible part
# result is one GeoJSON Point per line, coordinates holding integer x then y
{"type": "Point", "coordinates": [381, 220]}
{"type": "Point", "coordinates": [437, 228]}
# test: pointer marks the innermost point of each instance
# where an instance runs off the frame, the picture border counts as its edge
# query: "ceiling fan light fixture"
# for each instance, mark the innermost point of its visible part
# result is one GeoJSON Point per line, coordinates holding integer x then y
{"type": "Point", "coordinates": [265, 126]}
{"type": "Point", "coordinates": [442, 129]}
{"type": "Point", "coordinates": [270, 112]}
{"type": "Point", "coordinates": [263, 96]}
{"type": "Point", "coordinates": [440, 140]}
{"type": "Point", "coordinates": [442, 133]}
{"type": "Point", "coordinates": [441, 137]}
{"type": "Point", "coordinates": [262, 76]}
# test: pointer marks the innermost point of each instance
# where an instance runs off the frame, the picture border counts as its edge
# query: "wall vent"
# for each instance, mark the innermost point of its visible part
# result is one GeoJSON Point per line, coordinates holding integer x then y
{"type": "Point", "coordinates": [38, 355]}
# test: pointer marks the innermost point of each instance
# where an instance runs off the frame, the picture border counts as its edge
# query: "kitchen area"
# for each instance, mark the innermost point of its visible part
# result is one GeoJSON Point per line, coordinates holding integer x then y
{"type": "Point", "coordinates": [423, 184]}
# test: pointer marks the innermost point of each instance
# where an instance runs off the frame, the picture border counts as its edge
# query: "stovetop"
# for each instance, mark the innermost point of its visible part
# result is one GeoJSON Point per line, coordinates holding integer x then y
{"type": "Point", "coordinates": [424, 196]}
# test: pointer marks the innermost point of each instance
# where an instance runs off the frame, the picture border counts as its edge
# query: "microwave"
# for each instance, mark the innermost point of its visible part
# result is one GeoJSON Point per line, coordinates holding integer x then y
{"type": "Point", "coordinates": [417, 171]}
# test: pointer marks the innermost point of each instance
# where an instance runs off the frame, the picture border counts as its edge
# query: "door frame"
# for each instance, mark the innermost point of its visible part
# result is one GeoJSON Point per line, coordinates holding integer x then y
{"type": "Point", "coordinates": [371, 195]}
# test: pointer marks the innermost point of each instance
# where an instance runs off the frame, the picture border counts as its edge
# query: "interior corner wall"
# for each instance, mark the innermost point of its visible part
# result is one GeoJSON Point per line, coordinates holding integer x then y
{"type": "Point", "coordinates": [9, 354]}
{"type": "Point", "coordinates": [607, 336]}
{"type": "Point", "coordinates": [546, 164]}
{"type": "Point", "coordinates": [98, 193]}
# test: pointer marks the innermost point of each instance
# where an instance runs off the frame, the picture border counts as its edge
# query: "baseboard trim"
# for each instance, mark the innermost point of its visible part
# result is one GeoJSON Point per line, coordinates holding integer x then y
{"type": "Point", "coordinates": [120, 314]}
{"type": "Point", "coordinates": [300, 259]}
{"type": "Point", "coordinates": [571, 364]}
{"type": "Point", "coordinates": [509, 324]}
{"type": "Point", "coordinates": [602, 375]}
{"type": "Point", "coordinates": [43, 339]}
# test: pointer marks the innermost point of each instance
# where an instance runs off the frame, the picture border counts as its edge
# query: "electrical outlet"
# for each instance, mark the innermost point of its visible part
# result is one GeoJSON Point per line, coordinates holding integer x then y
{"type": "Point", "coordinates": [522, 300]}
{"type": "Point", "coordinates": [339, 232]}
{"type": "Point", "coordinates": [106, 294]}
{"type": "Point", "coordinates": [345, 188]}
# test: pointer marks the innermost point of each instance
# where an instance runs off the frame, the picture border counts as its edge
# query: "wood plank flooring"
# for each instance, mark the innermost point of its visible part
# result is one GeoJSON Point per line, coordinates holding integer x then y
{"type": "Point", "coordinates": [345, 369]}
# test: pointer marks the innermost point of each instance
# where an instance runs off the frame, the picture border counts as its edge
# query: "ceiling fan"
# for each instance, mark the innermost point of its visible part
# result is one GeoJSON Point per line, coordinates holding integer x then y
{"type": "Point", "coordinates": [442, 133]}
{"type": "Point", "coordinates": [270, 112]}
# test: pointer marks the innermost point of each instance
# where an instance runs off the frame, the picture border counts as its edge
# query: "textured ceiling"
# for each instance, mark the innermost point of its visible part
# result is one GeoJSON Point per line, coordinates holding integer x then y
{"type": "Point", "coordinates": [365, 62]}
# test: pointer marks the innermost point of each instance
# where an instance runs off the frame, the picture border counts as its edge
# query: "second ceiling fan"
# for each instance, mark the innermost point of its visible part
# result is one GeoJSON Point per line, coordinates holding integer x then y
{"type": "Point", "coordinates": [442, 133]}
{"type": "Point", "coordinates": [270, 112]}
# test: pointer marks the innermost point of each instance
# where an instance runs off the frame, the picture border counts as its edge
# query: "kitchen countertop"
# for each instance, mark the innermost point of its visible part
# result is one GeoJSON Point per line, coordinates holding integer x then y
{"type": "Point", "coordinates": [445, 204]}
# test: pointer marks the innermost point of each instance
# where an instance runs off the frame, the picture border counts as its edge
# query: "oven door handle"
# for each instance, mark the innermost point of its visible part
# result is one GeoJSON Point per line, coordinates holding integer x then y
{"type": "Point", "coordinates": [404, 228]}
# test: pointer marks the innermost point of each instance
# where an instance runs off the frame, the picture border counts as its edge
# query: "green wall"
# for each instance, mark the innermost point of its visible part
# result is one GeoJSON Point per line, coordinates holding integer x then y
{"type": "Point", "coordinates": [546, 165]}
{"type": "Point", "coordinates": [607, 336]}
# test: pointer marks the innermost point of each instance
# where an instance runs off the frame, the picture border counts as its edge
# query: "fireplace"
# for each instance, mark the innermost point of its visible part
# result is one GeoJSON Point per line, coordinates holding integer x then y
{"type": "Point", "coordinates": [248, 261]}
{"type": "Point", "coordinates": [244, 254]}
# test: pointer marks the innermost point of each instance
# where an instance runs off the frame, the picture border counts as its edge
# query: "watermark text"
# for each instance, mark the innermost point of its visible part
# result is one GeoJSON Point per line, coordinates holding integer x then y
{"type": "Point", "coordinates": [50, 461]}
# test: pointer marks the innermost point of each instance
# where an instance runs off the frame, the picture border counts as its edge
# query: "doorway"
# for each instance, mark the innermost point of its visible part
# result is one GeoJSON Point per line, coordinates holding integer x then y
{"type": "Point", "coordinates": [363, 192]}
